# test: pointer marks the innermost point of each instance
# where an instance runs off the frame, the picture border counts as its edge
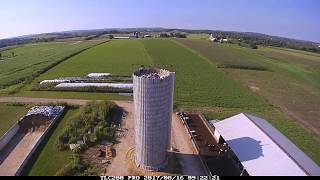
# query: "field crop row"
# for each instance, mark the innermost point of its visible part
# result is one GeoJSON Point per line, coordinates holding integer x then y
{"type": "Point", "coordinates": [116, 57]}
{"type": "Point", "coordinates": [31, 60]}
{"type": "Point", "coordinates": [198, 82]}
{"type": "Point", "coordinates": [290, 85]}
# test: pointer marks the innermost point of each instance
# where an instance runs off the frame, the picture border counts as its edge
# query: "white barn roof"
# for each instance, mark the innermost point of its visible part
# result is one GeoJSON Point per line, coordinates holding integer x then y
{"type": "Point", "coordinates": [262, 149]}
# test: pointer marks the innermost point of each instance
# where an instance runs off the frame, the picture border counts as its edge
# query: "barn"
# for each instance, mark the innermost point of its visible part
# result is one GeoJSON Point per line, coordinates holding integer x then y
{"type": "Point", "coordinates": [261, 150]}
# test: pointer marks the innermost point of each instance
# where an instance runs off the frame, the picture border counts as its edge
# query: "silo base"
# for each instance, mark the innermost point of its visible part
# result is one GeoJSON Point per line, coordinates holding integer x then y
{"type": "Point", "coordinates": [153, 168]}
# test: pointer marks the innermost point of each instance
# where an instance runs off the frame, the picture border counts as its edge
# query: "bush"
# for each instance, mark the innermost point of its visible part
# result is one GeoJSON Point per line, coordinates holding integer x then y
{"type": "Point", "coordinates": [96, 116]}
{"type": "Point", "coordinates": [102, 133]}
{"type": "Point", "coordinates": [164, 35]}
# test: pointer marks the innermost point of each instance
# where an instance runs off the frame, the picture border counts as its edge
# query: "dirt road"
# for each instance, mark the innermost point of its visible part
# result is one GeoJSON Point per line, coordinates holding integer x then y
{"type": "Point", "coordinates": [118, 166]}
{"type": "Point", "coordinates": [189, 161]}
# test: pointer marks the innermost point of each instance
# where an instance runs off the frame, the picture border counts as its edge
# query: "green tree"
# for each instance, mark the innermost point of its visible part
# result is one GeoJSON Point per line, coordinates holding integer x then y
{"type": "Point", "coordinates": [111, 36]}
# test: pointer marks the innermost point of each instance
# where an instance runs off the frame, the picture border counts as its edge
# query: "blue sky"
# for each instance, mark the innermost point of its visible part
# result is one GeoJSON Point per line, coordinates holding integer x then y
{"type": "Point", "coordinates": [290, 18]}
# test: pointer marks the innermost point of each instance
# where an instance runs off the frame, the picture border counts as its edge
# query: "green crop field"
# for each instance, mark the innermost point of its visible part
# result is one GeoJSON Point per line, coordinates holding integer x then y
{"type": "Point", "coordinates": [198, 82]}
{"type": "Point", "coordinates": [116, 57]}
{"type": "Point", "coordinates": [290, 83]}
{"type": "Point", "coordinates": [50, 159]}
{"type": "Point", "coordinates": [198, 36]}
{"type": "Point", "coordinates": [10, 114]}
{"type": "Point", "coordinates": [27, 61]}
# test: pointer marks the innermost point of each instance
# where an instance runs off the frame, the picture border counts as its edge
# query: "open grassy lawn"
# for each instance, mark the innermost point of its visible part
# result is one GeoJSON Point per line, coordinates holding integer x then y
{"type": "Point", "coordinates": [10, 114]}
{"type": "Point", "coordinates": [284, 85]}
{"type": "Point", "coordinates": [50, 159]}
{"type": "Point", "coordinates": [30, 60]}
{"type": "Point", "coordinates": [119, 57]}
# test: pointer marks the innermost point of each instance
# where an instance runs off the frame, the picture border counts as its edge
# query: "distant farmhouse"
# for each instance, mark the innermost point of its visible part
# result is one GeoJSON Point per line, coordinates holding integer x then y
{"type": "Point", "coordinates": [219, 39]}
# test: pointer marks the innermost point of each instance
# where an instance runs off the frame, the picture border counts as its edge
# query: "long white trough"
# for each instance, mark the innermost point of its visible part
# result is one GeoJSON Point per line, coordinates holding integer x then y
{"type": "Point", "coordinates": [55, 81]}
{"type": "Point", "coordinates": [112, 85]}
{"type": "Point", "coordinates": [98, 75]}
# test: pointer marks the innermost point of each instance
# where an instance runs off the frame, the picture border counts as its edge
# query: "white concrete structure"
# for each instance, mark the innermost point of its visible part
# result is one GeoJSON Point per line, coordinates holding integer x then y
{"type": "Point", "coordinates": [262, 149]}
{"type": "Point", "coordinates": [153, 105]}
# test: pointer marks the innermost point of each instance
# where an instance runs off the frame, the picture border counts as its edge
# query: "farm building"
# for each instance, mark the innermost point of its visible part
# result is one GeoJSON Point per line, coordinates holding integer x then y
{"type": "Point", "coordinates": [260, 149]}
{"type": "Point", "coordinates": [217, 39]}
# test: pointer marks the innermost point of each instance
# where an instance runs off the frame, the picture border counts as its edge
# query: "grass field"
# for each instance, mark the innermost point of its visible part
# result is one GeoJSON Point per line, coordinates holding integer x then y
{"type": "Point", "coordinates": [292, 78]}
{"type": "Point", "coordinates": [283, 86]}
{"type": "Point", "coordinates": [50, 159]}
{"type": "Point", "coordinates": [198, 82]}
{"type": "Point", "coordinates": [10, 114]}
{"type": "Point", "coordinates": [31, 60]}
{"type": "Point", "coordinates": [198, 36]}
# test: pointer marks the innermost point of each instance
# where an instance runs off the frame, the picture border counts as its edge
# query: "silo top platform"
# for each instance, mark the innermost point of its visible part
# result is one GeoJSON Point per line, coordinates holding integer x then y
{"type": "Point", "coordinates": [152, 73]}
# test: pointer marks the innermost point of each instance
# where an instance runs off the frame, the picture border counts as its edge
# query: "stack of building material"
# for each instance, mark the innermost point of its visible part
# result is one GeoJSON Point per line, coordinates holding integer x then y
{"type": "Point", "coordinates": [108, 152]}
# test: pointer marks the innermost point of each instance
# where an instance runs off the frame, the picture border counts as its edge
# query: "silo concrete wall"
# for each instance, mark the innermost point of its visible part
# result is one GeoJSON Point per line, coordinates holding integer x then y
{"type": "Point", "coordinates": [153, 106]}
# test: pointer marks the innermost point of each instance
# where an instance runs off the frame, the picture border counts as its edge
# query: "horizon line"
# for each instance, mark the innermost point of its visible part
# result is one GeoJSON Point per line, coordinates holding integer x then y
{"type": "Point", "coordinates": [115, 28]}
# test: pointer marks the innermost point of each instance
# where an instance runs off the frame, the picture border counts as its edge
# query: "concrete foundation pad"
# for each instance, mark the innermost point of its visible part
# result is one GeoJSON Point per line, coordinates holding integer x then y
{"type": "Point", "coordinates": [17, 151]}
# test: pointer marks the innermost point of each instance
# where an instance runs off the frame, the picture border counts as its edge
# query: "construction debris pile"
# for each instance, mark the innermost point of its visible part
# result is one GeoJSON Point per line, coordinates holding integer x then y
{"type": "Point", "coordinates": [47, 111]}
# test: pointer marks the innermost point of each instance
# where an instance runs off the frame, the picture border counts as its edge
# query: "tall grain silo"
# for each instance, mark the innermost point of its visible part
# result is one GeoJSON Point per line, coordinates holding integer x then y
{"type": "Point", "coordinates": [153, 105]}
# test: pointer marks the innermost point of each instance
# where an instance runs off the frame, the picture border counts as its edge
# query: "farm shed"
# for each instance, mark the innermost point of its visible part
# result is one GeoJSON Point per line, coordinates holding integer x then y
{"type": "Point", "coordinates": [262, 149]}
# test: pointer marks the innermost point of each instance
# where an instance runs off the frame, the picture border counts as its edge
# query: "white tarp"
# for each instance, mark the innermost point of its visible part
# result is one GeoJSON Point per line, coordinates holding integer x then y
{"type": "Point", "coordinates": [48, 111]}
{"type": "Point", "coordinates": [112, 85]}
{"type": "Point", "coordinates": [54, 81]}
{"type": "Point", "coordinates": [98, 75]}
